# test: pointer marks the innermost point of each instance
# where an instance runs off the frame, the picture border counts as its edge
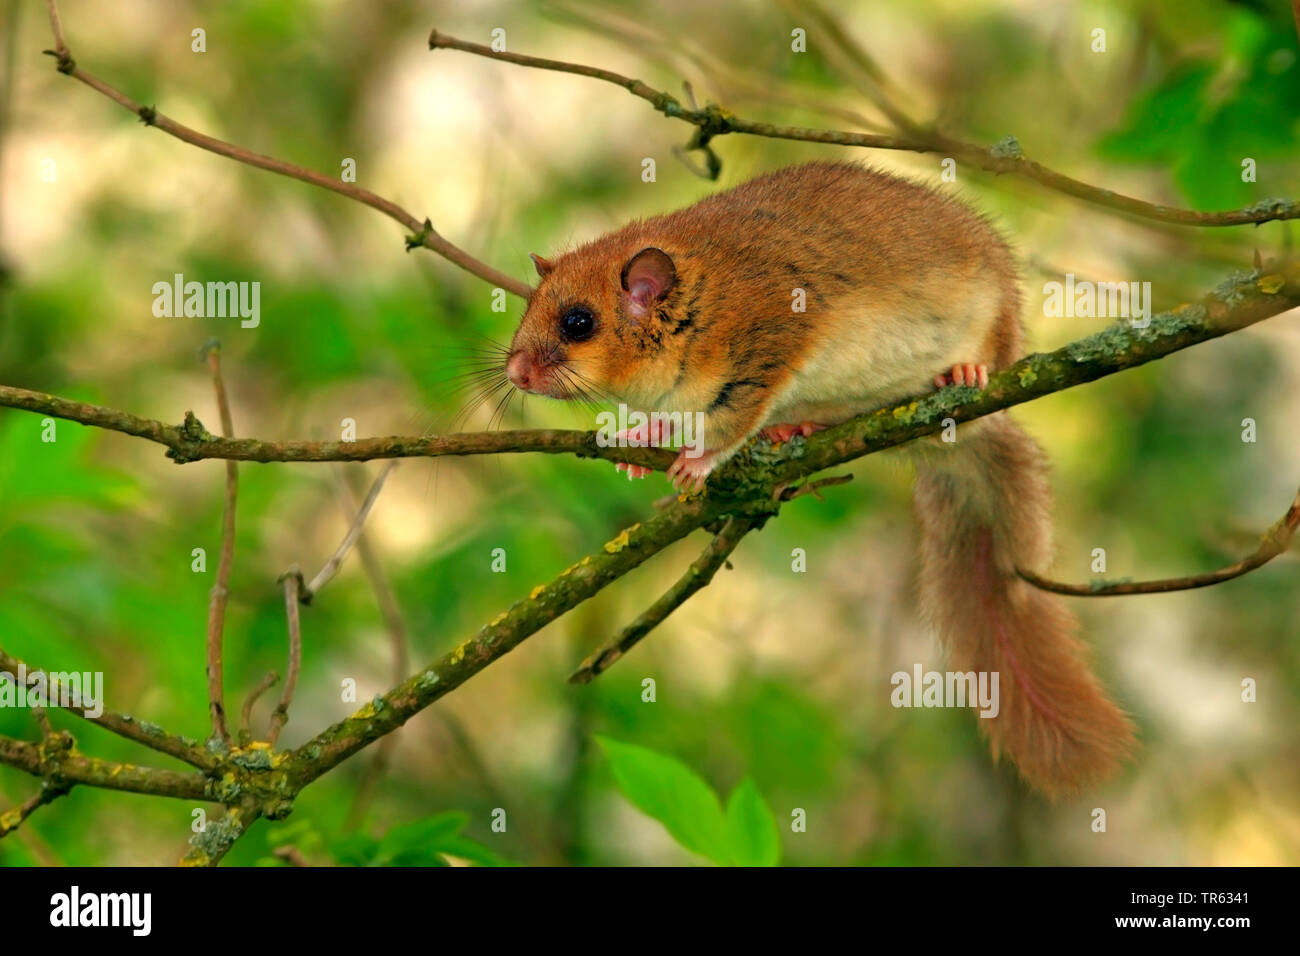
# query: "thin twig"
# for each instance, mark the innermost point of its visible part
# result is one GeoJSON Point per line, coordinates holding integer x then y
{"type": "Point", "coordinates": [331, 567]}
{"type": "Point", "coordinates": [813, 488]}
{"type": "Point", "coordinates": [43, 721]}
{"type": "Point", "coordinates": [56, 28]}
{"type": "Point", "coordinates": [699, 574]}
{"type": "Point", "coordinates": [268, 681]}
{"type": "Point", "coordinates": [220, 588]}
{"type": "Point", "coordinates": [422, 231]}
{"type": "Point", "coordinates": [11, 820]}
{"type": "Point", "coordinates": [30, 839]}
{"type": "Point", "coordinates": [868, 77]}
{"type": "Point", "coordinates": [399, 644]}
{"type": "Point", "coordinates": [1005, 157]}
{"type": "Point", "coordinates": [292, 581]}
{"type": "Point", "coordinates": [1274, 542]}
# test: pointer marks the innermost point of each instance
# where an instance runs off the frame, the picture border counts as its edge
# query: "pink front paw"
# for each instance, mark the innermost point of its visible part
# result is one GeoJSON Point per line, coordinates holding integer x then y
{"type": "Point", "coordinates": [642, 436]}
{"type": "Point", "coordinates": [691, 472]}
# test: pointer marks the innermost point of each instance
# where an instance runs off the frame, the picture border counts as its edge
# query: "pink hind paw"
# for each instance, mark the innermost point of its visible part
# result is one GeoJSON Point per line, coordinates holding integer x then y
{"type": "Point", "coordinates": [689, 474]}
{"type": "Point", "coordinates": [976, 376]}
{"type": "Point", "coordinates": [779, 434]}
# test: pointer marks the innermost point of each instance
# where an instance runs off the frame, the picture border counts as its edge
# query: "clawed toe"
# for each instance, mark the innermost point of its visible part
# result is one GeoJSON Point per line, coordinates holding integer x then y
{"type": "Point", "coordinates": [972, 374]}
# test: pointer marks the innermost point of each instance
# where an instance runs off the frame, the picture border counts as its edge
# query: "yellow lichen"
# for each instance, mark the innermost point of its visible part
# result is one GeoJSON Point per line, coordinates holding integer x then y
{"type": "Point", "coordinates": [618, 544]}
{"type": "Point", "coordinates": [1270, 284]}
{"type": "Point", "coordinates": [537, 592]}
{"type": "Point", "coordinates": [906, 413]}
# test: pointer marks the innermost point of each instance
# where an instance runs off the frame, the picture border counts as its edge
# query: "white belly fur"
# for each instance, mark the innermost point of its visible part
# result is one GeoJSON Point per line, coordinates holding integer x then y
{"type": "Point", "coordinates": [885, 352]}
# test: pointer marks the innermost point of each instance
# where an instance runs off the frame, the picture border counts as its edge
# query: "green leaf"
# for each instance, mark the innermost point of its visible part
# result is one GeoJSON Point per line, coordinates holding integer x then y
{"type": "Point", "coordinates": [420, 842]}
{"type": "Point", "coordinates": [355, 849]}
{"type": "Point", "coordinates": [752, 836]}
{"type": "Point", "coordinates": [463, 848]}
{"type": "Point", "coordinates": [666, 789]}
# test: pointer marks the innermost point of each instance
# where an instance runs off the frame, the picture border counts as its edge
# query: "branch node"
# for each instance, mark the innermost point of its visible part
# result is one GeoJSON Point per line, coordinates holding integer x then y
{"type": "Point", "coordinates": [417, 239]}
{"type": "Point", "coordinates": [65, 64]}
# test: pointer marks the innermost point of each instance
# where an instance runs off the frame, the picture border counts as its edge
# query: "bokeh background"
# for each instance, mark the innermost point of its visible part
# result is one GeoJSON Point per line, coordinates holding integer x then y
{"type": "Point", "coordinates": [778, 676]}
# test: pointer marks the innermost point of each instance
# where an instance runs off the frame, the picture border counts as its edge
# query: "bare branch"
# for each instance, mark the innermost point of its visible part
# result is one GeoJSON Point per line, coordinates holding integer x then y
{"type": "Point", "coordinates": [269, 680]}
{"type": "Point", "coordinates": [56, 28]}
{"type": "Point", "coordinates": [422, 231]}
{"type": "Point", "coordinates": [43, 721]}
{"type": "Point", "coordinates": [1003, 157]}
{"type": "Point", "coordinates": [292, 581]}
{"type": "Point", "coordinates": [1275, 541]}
{"type": "Point", "coordinates": [220, 588]}
{"type": "Point", "coordinates": [331, 567]}
{"type": "Point", "coordinates": [398, 641]}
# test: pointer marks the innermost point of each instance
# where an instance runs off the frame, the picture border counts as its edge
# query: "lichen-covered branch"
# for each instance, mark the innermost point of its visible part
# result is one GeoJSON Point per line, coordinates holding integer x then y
{"type": "Point", "coordinates": [142, 732]}
{"type": "Point", "coordinates": [1237, 302]}
{"type": "Point", "coordinates": [13, 818]}
{"type": "Point", "coordinates": [544, 604]}
{"type": "Point", "coordinates": [71, 767]}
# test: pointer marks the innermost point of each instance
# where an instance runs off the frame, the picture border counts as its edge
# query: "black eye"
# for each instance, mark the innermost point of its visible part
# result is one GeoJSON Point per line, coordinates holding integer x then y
{"type": "Point", "coordinates": [577, 324]}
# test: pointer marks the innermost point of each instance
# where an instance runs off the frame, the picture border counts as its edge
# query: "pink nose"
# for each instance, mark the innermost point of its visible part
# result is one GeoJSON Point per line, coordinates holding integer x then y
{"type": "Point", "coordinates": [519, 369]}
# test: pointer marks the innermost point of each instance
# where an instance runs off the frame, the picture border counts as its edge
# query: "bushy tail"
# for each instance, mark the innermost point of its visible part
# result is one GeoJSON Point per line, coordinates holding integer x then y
{"type": "Point", "coordinates": [983, 506]}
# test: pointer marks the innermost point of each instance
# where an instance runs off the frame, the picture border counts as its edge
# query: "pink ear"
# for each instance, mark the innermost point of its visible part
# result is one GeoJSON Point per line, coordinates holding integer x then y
{"type": "Point", "coordinates": [647, 278]}
{"type": "Point", "coordinates": [543, 266]}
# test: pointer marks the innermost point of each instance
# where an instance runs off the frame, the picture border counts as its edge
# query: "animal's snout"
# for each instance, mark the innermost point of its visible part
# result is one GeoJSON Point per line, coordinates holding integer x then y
{"type": "Point", "coordinates": [520, 370]}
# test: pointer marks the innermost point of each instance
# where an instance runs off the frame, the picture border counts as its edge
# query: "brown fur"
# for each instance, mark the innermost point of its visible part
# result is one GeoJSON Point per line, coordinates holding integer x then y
{"type": "Point", "coordinates": [901, 283]}
{"type": "Point", "coordinates": [983, 506]}
{"type": "Point", "coordinates": [832, 229]}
